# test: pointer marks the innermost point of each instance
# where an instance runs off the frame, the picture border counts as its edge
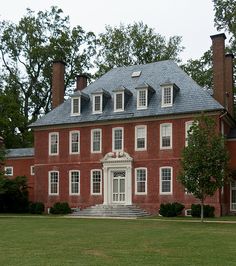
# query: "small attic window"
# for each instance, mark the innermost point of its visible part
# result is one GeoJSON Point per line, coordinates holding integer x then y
{"type": "Point", "coordinates": [75, 106]}
{"type": "Point", "coordinates": [136, 74]}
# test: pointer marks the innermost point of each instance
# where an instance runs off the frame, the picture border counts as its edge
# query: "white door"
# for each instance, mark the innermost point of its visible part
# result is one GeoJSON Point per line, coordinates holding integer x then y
{"type": "Point", "coordinates": [118, 187]}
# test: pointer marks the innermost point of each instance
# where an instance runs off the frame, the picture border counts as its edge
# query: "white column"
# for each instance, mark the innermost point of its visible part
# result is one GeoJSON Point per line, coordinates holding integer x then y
{"type": "Point", "coordinates": [105, 185]}
{"type": "Point", "coordinates": [129, 186]}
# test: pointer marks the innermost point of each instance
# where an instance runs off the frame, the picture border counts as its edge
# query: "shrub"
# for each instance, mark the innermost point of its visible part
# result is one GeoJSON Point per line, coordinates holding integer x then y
{"type": "Point", "coordinates": [36, 208]}
{"type": "Point", "coordinates": [171, 209]}
{"type": "Point", "coordinates": [60, 208]}
{"type": "Point", "coordinates": [208, 211]}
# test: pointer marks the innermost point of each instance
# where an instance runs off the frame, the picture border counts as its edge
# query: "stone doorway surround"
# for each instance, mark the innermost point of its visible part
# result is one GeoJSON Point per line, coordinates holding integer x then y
{"type": "Point", "coordinates": [112, 162]}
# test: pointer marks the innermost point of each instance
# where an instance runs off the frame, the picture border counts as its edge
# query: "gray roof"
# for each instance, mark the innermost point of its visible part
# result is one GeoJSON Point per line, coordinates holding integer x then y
{"type": "Point", "coordinates": [189, 99]}
{"type": "Point", "coordinates": [22, 152]}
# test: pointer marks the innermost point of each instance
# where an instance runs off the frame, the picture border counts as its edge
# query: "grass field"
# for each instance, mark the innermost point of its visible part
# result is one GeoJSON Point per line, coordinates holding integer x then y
{"type": "Point", "coordinates": [63, 241]}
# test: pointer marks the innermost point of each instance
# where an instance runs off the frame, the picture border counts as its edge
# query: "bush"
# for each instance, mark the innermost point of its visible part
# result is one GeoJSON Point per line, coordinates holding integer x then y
{"type": "Point", "coordinates": [36, 208]}
{"type": "Point", "coordinates": [208, 211]}
{"type": "Point", "coordinates": [171, 209]}
{"type": "Point", "coordinates": [60, 208]}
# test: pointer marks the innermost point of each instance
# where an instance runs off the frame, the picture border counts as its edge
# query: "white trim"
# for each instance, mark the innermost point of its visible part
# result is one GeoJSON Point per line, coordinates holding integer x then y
{"type": "Point", "coordinates": [49, 141]}
{"type": "Point", "coordinates": [115, 107]}
{"type": "Point", "coordinates": [141, 107]}
{"type": "Point", "coordinates": [186, 212]}
{"type": "Point", "coordinates": [164, 88]}
{"type": "Point", "coordinates": [91, 181]}
{"type": "Point", "coordinates": [70, 183]}
{"type": "Point", "coordinates": [70, 142]}
{"type": "Point", "coordinates": [188, 125]}
{"type": "Point", "coordinates": [171, 180]}
{"type": "Point", "coordinates": [145, 138]}
{"type": "Point", "coordinates": [49, 183]}
{"type": "Point", "coordinates": [232, 209]}
{"type": "Point", "coordinates": [100, 103]}
{"type": "Point", "coordinates": [72, 106]}
{"type": "Point", "coordinates": [161, 126]}
{"type": "Point", "coordinates": [113, 138]}
{"type": "Point", "coordinates": [136, 183]}
{"type": "Point", "coordinates": [6, 168]}
{"type": "Point", "coordinates": [32, 170]}
{"type": "Point", "coordinates": [92, 138]}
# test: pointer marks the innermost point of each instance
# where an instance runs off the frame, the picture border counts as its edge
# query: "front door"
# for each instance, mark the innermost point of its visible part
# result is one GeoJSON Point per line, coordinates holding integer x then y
{"type": "Point", "coordinates": [118, 187]}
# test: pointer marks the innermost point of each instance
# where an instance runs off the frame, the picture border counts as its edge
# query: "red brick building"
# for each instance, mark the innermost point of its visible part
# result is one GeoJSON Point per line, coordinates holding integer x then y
{"type": "Point", "coordinates": [119, 139]}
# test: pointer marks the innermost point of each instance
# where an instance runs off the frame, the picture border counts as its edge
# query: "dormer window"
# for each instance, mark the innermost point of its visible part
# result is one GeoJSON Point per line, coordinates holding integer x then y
{"type": "Point", "coordinates": [121, 98]}
{"type": "Point", "coordinates": [97, 104]}
{"type": "Point", "coordinates": [144, 94]}
{"type": "Point", "coordinates": [142, 99]}
{"type": "Point", "coordinates": [119, 102]}
{"type": "Point", "coordinates": [75, 106]}
{"type": "Point", "coordinates": [168, 94]}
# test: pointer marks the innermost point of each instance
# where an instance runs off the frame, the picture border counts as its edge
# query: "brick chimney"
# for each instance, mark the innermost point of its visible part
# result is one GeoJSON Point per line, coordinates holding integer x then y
{"type": "Point", "coordinates": [58, 84]}
{"type": "Point", "coordinates": [218, 46]}
{"type": "Point", "coordinates": [229, 83]}
{"type": "Point", "coordinates": [81, 82]}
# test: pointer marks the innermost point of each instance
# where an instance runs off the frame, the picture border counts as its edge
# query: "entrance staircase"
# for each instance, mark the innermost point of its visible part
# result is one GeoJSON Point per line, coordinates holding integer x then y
{"type": "Point", "coordinates": [124, 211]}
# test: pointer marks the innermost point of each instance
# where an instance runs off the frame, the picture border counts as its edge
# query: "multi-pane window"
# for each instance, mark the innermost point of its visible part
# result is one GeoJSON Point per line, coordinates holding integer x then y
{"type": "Point", "coordinates": [53, 183]}
{"type": "Point", "coordinates": [96, 140]}
{"type": "Point", "coordinates": [117, 139]}
{"type": "Point", "coordinates": [166, 136]}
{"type": "Point", "coordinates": [96, 182]}
{"type": "Point", "coordinates": [141, 180]}
{"type": "Point", "coordinates": [8, 170]}
{"type": "Point", "coordinates": [74, 182]}
{"type": "Point", "coordinates": [140, 137]}
{"type": "Point", "coordinates": [188, 125]}
{"type": "Point", "coordinates": [74, 142]}
{"type": "Point", "coordinates": [97, 103]}
{"type": "Point", "coordinates": [142, 99]}
{"type": "Point", "coordinates": [32, 169]}
{"type": "Point", "coordinates": [53, 143]}
{"type": "Point", "coordinates": [75, 106]}
{"type": "Point", "coordinates": [167, 96]}
{"type": "Point", "coordinates": [119, 101]}
{"type": "Point", "coordinates": [166, 180]}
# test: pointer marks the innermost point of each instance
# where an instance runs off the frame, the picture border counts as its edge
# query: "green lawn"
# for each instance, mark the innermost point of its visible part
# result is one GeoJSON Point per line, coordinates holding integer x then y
{"type": "Point", "coordinates": [59, 241]}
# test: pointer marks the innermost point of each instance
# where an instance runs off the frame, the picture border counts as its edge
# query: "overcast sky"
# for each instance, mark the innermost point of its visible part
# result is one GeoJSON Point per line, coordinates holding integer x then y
{"type": "Point", "coordinates": [191, 19]}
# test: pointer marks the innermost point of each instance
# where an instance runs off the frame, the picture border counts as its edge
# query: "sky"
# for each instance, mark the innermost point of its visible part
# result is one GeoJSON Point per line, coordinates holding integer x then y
{"type": "Point", "coordinates": [191, 19]}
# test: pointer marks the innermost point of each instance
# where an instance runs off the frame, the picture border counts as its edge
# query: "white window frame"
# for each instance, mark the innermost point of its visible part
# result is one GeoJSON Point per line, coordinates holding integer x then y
{"type": "Point", "coordinates": [188, 124]}
{"type": "Point", "coordinates": [113, 138]}
{"type": "Point", "coordinates": [115, 105]}
{"type": "Point", "coordinates": [70, 139]}
{"type": "Point", "coordinates": [50, 183]}
{"type": "Point", "coordinates": [100, 104]}
{"type": "Point", "coordinates": [70, 182]}
{"type": "Point", "coordinates": [136, 181]}
{"type": "Point", "coordinates": [171, 180]}
{"type": "Point", "coordinates": [141, 107]}
{"type": "Point", "coordinates": [163, 96]}
{"type": "Point", "coordinates": [145, 138]}
{"type": "Point", "coordinates": [50, 139]}
{"type": "Point", "coordinates": [161, 136]}
{"type": "Point", "coordinates": [32, 170]}
{"type": "Point", "coordinates": [92, 140]}
{"type": "Point", "coordinates": [73, 113]}
{"type": "Point", "coordinates": [231, 189]}
{"type": "Point", "coordinates": [91, 181]}
{"type": "Point", "coordinates": [6, 169]}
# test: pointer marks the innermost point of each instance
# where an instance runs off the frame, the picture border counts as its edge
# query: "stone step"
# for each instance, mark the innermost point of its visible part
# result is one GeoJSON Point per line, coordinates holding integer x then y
{"type": "Point", "coordinates": [111, 211]}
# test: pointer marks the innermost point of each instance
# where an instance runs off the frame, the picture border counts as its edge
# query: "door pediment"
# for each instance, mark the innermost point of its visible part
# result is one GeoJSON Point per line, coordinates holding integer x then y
{"type": "Point", "coordinates": [116, 157]}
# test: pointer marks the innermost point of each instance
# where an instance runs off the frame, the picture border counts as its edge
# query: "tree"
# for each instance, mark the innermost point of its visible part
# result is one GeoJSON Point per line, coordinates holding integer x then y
{"type": "Point", "coordinates": [134, 44]}
{"type": "Point", "coordinates": [2, 157]}
{"type": "Point", "coordinates": [27, 51]}
{"type": "Point", "coordinates": [204, 160]}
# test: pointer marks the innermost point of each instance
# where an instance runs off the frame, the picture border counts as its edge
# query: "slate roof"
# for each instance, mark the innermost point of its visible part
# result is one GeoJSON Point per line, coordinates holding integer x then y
{"type": "Point", "coordinates": [22, 152]}
{"type": "Point", "coordinates": [189, 99]}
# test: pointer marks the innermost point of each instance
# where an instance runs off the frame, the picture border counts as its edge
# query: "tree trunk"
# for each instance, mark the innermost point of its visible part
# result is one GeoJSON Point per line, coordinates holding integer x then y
{"type": "Point", "coordinates": [202, 213]}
